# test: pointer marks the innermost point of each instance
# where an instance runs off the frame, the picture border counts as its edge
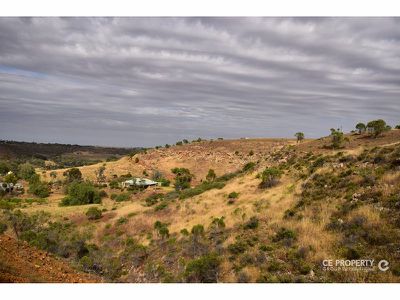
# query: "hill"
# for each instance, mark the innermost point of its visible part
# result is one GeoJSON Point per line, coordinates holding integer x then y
{"type": "Point", "coordinates": [276, 219]}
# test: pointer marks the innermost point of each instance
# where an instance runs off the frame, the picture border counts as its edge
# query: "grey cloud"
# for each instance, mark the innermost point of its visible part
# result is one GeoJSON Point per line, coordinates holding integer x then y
{"type": "Point", "coordinates": [149, 81]}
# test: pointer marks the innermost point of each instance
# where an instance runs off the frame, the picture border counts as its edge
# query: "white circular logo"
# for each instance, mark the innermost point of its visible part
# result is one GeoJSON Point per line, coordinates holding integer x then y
{"type": "Point", "coordinates": [383, 265]}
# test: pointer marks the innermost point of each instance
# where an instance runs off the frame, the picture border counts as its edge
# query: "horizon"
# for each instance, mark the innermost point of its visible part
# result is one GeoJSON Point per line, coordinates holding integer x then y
{"type": "Point", "coordinates": [148, 81]}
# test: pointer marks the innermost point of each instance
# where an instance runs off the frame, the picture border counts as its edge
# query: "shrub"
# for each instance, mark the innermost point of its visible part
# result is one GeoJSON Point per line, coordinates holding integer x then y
{"type": "Point", "coordinates": [73, 174]}
{"type": "Point", "coordinates": [10, 178]}
{"type": "Point", "coordinates": [122, 197]}
{"type": "Point", "coordinates": [79, 193]}
{"type": "Point", "coordinates": [211, 175]}
{"type": "Point", "coordinates": [237, 247]}
{"type": "Point", "coordinates": [161, 206]}
{"type": "Point", "coordinates": [233, 195]}
{"type": "Point", "coordinates": [248, 167]}
{"type": "Point", "coordinates": [203, 269]}
{"type": "Point", "coordinates": [299, 136]}
{"type": "Point", "coordinates": [39, 188]}
{"type": "Point", "coordinates": [284, 233]}
{"type": "Point", "coordinates": [94, 213]}
{"type": "Point", "coordinates": [251, 153]}
{"type": "Point", "coordinates": [361, 128]}
{"type": "Point", "coordinates": [114, 184]}
{"type": "Point", "coordinates": [25, 171]}
{"type": "Point", "coordinates": [201, 188]}
{"type": "Point", "coordinates": [162, 229]}
{"type": "Point", "coordinates": [182, 178]}
{"type": "Point", "coordinates": [3, 228]}
{"type": "Point", "coordinates": [270, 177]}
{"type": "Point", "coordinates": [153, 199]}
{"type": "Point", "coordinates": [252, 223]}
{"type": "Point", "coordinates": [165, 182]}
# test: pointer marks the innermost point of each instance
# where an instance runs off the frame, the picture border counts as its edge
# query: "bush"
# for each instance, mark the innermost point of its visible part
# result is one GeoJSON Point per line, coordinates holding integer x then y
{"type": "Point", "coordinates": [165, 182]}
{"type": "Point", "coordinates": [25, 171]}
{"type": "Point", "coordinates": [237, 247]}
{"type": "Point", "coordinates": [39, 188]}
{"type": "Point", "coordinates": [114, 184]}
{"type": "Point", "coordinates": [122, 197]}
{"type": "Point", "coordinates": [182, 178]}
{"type": "Point", "coordinates": [211, 175]}
{"type": "Point", "coordinates": [248, 167]}
{"type": "Point", "coordinates": [252, 223]}
{"type": "Point", "coordinates": [73, 174]}
{"type": "Point", "coordinates": [377, 127]}
{"type": "Point", "coordinates": [79, 193]}
{"type": "Point", "coordinates": [153, 199]}
{"type": "Point", "coordinates": [233, 195]}
{"type": "Point", "coordinates": [94, 213]}
{"type": "Point", "coordinates": [283, 234]}
{"type": "Point", "coordinates": [270, 177]}
{"type": "Point", "coordinates": [201, 188]}
{"type": "Point", "coordinates": [203, 269]}
{"type": "Point", "coordinates": [3, 228]}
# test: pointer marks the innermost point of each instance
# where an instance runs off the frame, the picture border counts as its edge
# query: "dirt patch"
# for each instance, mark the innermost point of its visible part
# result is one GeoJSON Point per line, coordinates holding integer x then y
{"type": "Point", "coordinates": [20, 262]}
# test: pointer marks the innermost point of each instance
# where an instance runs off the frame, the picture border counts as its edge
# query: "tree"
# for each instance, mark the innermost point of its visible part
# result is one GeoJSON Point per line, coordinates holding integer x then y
{"type": "Point", "coordinates": [182, 178]}
{"type": "Point", "coordinates": [211, 175]}
{"type": "Point", "coordinates": [299, 136]}
{"type": "Point", "coordinates": [73, 174]}
{"type": "Point", "coordinates": [270, 177]}
{"type": "Point", "coordinates": [361, 128]}
{"type": "Point", "coordinates": [25, 171]}
{"type": "Point", "coordinates": [79, 193]}
{"type": "Point", "coordinates": [337, 138]}
{"type": "Point", "coordinates": [397, 127]}
{"type": "Point", "coordinates": [377, 127]}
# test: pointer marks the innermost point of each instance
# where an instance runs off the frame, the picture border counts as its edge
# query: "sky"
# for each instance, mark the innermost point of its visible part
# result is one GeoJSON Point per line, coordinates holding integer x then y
{"type": "Point", "coordinates": [149, 81]}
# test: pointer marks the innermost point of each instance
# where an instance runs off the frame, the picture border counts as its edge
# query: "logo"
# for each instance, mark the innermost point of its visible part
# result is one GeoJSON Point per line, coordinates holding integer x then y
{"type": "Point", "coordinates": [383, 265]}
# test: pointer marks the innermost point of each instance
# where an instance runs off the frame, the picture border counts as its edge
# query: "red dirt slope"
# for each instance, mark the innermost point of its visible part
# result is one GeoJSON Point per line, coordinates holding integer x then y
{"type": "Point", "coordinates": [20, 262]}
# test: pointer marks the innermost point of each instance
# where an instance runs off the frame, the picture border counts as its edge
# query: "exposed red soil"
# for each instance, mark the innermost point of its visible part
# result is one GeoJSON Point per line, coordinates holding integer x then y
{"type": "Point", "coordinates": [20, 263]}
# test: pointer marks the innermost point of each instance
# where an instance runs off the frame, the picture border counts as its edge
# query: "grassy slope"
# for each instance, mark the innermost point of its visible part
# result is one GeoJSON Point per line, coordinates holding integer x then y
{"type": "Point", "coordinates": [268, 205]}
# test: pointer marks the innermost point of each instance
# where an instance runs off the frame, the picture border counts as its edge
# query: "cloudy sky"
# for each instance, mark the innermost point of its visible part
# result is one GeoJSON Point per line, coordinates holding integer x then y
{"type": "Point", "coordinates": [150, 81]}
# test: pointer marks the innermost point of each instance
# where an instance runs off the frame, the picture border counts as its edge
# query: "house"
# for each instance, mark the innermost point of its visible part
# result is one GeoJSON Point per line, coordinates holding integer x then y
{"type": "Point", "coordinates": [139, 182]}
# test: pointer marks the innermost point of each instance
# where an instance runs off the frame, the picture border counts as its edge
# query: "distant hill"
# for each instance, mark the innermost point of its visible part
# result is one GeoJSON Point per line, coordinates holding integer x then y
{"type": "Point", "coordinates": [48, 151]}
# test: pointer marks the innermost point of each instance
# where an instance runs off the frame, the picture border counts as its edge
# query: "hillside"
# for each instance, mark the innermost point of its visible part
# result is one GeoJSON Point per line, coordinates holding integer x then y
{"type": "Point", "coordinates": [48, 150]}
{"type": "Point", "coordinates": [319, 203]}
{"type": "Point", "coordinates": [20, 262]}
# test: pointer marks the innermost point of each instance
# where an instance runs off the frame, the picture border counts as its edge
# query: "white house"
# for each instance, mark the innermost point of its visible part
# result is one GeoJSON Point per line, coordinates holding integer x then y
{"type": "Point", "coordinates": [140, 182]}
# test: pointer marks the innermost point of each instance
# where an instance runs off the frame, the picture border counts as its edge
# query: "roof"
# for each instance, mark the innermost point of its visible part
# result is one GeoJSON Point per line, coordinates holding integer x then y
{"type": "Point", "coordinates": [140, 181]}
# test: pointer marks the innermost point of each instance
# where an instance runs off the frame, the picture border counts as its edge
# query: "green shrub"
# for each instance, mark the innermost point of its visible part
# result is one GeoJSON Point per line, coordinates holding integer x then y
{"type": "Point", "coordinates": [122, 197]}
{"type": "Point", "coordinates": [203, 269]}
{"type": "Point", "coordinates": [165, 182]}
{"type": "Point", "coordinates": [270, 177]}
{"type": "Point", "coordinates": [114, 184]}
{"type": "Point", "coordinates": [237, 247]}
{"type": "Point", "coordinates": [79, 193]}
{"type": "Point", "coordinates": [283, 234]}
{"type": "Point", "coordinates": [25, 171]}
{"type": "Point", "coordinates": [73, 174]}
{"type": "Point", "coordinates": [211, 175]}
{"type": "Point", "coordinates": [39, 188]}
{"type": "Point", "coordinates": [3, 228]}
{"type": "Point", "coordinates": [233, 195]}
{"type": "Point", "coordinates": [252, 223]}
{"type": "Point", "coordinates": [94, 213]}
{"type": "Point", "coordinates": [201, 188]}
{"type": "Point", "coordinates": [162, 229]}
{"type": "Point", "coordinates": [153, 199]}
{"type": "Point", "coordinates": [249, 166]}
{"type": "Point", "coordinates": [161, 206]}
{"type": "Point", "coordinates": [183, 177]}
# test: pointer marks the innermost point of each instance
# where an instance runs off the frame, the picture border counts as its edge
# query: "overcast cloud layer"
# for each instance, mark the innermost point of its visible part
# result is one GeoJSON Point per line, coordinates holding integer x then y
{"type": "Point", "coordinates": [150, 81]}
